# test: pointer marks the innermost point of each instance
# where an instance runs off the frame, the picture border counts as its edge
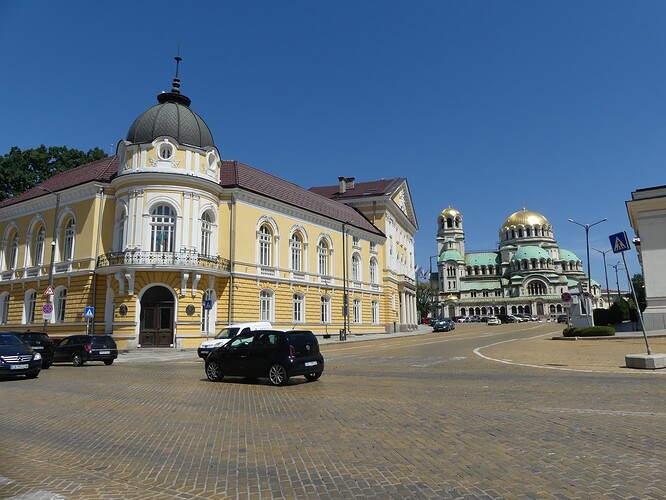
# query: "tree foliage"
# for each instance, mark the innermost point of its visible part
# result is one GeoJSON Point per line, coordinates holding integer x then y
{"type": "Point", "coordinates": [21, 170]}
{"type": "Point", "coordinates": [639, 287]}
{"type": "Point", "coordinates": [425, 292]}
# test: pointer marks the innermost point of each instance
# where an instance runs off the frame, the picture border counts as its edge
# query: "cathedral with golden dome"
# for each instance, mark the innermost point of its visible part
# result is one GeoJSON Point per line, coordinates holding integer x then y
{"type": "Point", "coordinates": [527, 274]}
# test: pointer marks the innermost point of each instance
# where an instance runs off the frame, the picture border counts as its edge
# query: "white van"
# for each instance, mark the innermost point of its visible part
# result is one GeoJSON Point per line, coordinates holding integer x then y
{"type": "Point", "coordinates": [229, 332]}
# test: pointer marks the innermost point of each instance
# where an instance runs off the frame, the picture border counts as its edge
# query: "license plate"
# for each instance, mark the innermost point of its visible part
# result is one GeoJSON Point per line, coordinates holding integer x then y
{"type": "Point", "coordinates": [105, 352]}
{"type": "Point", "coordinates": [19, 367]}
{"type": "Point", "coordinates": [310, 363]}
{"type": "Point", "coordinates": [37, 347]}
{"type": "Point", "coordinates": [204, 352]}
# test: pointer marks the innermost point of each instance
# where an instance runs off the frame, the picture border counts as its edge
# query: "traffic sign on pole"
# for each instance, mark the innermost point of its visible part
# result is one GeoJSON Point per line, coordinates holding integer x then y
{"type": "Point", "coordinates": [89, 312]}
{"type": "Point", "coordinates": [47, 308]}
{"type": "Point", "coordinates": [619, 242]}
{"type": "Point", "coordinates": [566, 297]}
{"type": "Point", "coordinates": [49, 291]}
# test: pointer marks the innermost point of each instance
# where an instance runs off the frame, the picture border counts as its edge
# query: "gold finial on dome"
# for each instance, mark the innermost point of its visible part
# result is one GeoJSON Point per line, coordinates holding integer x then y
{"type": "Point", "coordinates": [450, 211]}
{"type": "Point", "coordinates": [526, 218]}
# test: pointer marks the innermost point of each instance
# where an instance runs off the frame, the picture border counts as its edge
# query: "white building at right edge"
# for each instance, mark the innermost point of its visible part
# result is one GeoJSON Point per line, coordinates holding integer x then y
{"type": "Point", "coordinates": [647, 215]}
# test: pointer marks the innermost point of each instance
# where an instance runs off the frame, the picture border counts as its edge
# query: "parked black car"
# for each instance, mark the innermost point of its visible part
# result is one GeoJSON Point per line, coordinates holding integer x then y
{"type": "Point", "coordinates": [41, 343]}
{"type": "Point", "coordinates": [79, 349]}
{"type": "Point", "coordinates": [17, 357]}
{"type": "Point", "coordinates": [562, 318]}
{"type": "Point", "coordinates": [267, 353]}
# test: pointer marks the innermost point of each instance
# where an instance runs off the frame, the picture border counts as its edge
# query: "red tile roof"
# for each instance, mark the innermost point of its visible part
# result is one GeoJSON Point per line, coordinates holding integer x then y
{"type": "Point", "coordinates": [237, 174]}
{"type": "Point", "coordinates": [361, 189]}
{"type": "Point", "coordinates": [101, 170]}
{"type": "Point", "coordinates": [233, 175]}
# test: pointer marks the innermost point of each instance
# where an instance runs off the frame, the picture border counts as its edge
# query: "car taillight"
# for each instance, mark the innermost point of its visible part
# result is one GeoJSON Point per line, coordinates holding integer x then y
{"type": "Point", "coordinates": [88, 347]}
{"type": "Point", "coordinates": [292, 351]}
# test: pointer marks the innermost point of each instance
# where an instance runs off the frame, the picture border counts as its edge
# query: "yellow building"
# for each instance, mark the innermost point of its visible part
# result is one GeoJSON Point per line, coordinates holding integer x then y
{"type": "Point", "coordinates": [168, 243]}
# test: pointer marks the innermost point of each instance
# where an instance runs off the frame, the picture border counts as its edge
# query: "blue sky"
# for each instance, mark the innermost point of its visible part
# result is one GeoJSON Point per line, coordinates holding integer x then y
{"type": "Point", "coordinates": [485, 106]}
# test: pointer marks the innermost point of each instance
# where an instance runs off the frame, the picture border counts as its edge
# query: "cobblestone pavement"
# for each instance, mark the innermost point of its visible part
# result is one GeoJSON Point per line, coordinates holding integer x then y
{"type": "Point", "coordinates": [446, 415]}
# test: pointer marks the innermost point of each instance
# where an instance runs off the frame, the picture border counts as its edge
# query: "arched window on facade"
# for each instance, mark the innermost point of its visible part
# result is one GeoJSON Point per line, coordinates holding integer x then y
{"type": "Point", "coordinates": [536, 288]}
{"type": "Point", "coordinates": [374, 271]}
{"type": "Point", "coordinates": [68, 241]}
{"type": "Point", "coordinates": [356, 267]}
{"type": "Point", "coordinates": [162, 229]}
{"type": "Point", "coordinates": [325, 309]}
{"type": "Point", "coordinates": [298, 308]}
{"type": "Point", "coordinates": [206, 233]}
{"type": "Point", "coordinates": [296, 249]}
{"type": "Point", "coordinates": [323, 258]}
{"type": "Point", "coordinates": [37, 257]}
{"type": "Point", "coordinates": [266, 305]}
{"type": "Point", "coordinates": [60, 305]}
{"type": "Point", "coordinates": [12, 257]}
{"type": "Point", "coordinates": [357, 310]}
{"type": "Point", "coordinates": [30, 304]}
{"type": "Point", "coordinates": [121, 228]}
{"type": "Point", "coordinates": [265, 246]}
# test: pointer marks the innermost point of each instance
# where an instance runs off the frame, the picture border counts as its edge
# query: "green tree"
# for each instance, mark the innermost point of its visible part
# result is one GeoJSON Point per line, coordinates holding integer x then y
{"type": "Point", "coordinates": [21, 170]}
{"type": "Point", "coordinates": [639, 287]}
{"type": "Point", "coordinates": [425, 292]}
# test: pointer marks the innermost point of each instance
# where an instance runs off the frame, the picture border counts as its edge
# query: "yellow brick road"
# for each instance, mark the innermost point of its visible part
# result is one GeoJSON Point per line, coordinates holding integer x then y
{"type": "Point", "coordinates": [419, 416]}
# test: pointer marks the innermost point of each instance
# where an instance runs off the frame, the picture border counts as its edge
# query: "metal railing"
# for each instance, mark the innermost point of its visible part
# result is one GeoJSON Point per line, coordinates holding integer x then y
{"type": "Point", "coordinates": [181, 259]}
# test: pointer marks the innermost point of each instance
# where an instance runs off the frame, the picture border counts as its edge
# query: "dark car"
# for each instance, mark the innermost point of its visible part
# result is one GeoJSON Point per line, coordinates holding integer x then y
{"type": "Point", "coordinates": [442, 325]}
{"type": "Point", "coordinates": [17, 357]}
{"type": "Point", "coordinates": [267, 353]}
{"type": "Point", "coordinates": [79, 349]}
{"type": "Point", "coordinates": [41, 343]}
{"type": "Point", "coordinates": [562, 318]}
{"type": "Point", "coordinates": [506, 318]}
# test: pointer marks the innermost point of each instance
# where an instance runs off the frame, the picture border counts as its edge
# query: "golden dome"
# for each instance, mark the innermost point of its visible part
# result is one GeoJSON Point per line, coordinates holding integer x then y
{"type": "Point", "coordinates": [450, 212]}
{"type": "Point", "coordinates": [526, 218]}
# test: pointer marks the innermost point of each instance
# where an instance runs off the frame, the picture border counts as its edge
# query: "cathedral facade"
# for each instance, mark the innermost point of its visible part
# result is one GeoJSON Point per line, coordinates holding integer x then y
{"type": "Point", "coordinates": [527, 274]}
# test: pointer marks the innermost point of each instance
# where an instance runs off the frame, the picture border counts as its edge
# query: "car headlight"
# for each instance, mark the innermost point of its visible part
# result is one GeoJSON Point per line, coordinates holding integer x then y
{"type": "Point", "coordinates": [37, 356]}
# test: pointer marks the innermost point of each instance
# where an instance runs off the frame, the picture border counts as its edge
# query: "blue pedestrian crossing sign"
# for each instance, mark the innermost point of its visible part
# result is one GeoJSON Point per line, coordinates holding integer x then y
{"type": "Point", "coordinates": [208, 304]}
{"type": "Point", "coordinates": [619, 242]}
{"type": "Point", "coordinates": [89, 312]}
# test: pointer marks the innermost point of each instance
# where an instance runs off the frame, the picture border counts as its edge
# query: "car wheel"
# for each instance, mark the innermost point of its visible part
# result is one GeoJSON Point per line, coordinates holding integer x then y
{"type": "Point", "coordinates": [278, 375]}
{"type": "Point", "coordinates": [32, 375]}
{"type": "Point", "coordinates": [77, 360]}
{"type": "Point", "coordinates": [108, 362]}
{"type": "Point", "coordinates": [46, 366]}
{"type": "Point", "coordinates": [313, 376]}
{"type": "Point", "coordinates": [213, 371]}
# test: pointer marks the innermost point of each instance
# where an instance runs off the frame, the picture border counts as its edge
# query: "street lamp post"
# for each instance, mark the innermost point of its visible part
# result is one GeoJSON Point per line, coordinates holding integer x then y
{"type": "Point", "coordinates": [587, 247]}
{"type": "Point", "coordinates": [617, 280]}
{"type": "Point", "coordinates": [604, 252]}
{"type": "Point", "coordinates": [53, 247]}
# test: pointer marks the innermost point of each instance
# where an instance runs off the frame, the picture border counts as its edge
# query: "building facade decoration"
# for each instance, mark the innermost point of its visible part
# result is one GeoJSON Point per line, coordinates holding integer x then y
{"type": "Point", "coordinates": [526, 274]}
{"type": "Point", "coordinates": [170, 243]}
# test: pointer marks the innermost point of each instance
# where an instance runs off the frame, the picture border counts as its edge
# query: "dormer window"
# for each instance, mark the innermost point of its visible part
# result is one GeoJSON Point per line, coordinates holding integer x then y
{"type": "Point", "coordinates": [165, 151]}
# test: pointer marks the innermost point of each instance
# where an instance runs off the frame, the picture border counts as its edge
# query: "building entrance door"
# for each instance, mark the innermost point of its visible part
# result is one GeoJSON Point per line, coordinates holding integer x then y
{"type": "Point", "coordinates": [156, 327]}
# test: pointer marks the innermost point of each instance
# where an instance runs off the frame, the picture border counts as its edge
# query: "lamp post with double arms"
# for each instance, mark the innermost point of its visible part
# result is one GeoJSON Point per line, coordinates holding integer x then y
{"type": "Point", "coordinates": [587, 247]}
{"type": "Point", "coordinates": [617, 280]}
{"type": "Point", "coordinates": [604, 252]}
{"type": "Point", "coordinates": [53, 247]}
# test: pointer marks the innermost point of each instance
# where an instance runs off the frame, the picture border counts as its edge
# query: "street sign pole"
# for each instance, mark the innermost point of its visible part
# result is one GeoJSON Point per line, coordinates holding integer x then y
{"type": "Point", "coordinates": [638, 308]}
{"type": "Point", "coordinates": [620, 244]}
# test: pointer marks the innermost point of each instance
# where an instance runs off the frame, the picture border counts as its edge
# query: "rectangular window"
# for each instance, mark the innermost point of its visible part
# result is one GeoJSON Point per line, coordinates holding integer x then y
{"type": "Point", "coordinates": [325, 310]}
{"type": "Point", "coordinates": [30, 308]}
{"type": "Point", "coordinates": [375, 313]}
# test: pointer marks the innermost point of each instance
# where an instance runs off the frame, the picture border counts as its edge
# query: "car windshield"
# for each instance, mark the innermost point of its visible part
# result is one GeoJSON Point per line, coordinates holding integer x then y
{"type": "Point", "coordinates": [34, 337]}
{"type": "Point", "coordinates": [227, 333]}
{"type": "Point", "coordinates": [103, 341]}
{"type": "Point", "coordinates": [10, 339]}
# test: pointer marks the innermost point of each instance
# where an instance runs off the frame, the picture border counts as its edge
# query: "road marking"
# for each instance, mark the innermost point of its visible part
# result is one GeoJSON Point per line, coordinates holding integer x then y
{"type": "Point", "coordinates": [477, 351]}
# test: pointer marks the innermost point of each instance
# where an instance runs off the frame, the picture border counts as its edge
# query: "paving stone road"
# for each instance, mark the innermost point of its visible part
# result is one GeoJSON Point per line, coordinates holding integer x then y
{"type": "Point", "coordinates": [446, 415]}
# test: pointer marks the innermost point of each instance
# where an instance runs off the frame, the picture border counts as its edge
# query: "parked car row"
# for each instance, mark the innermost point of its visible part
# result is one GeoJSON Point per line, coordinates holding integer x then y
{"type": "Point", "coordinates": [27, 353]}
